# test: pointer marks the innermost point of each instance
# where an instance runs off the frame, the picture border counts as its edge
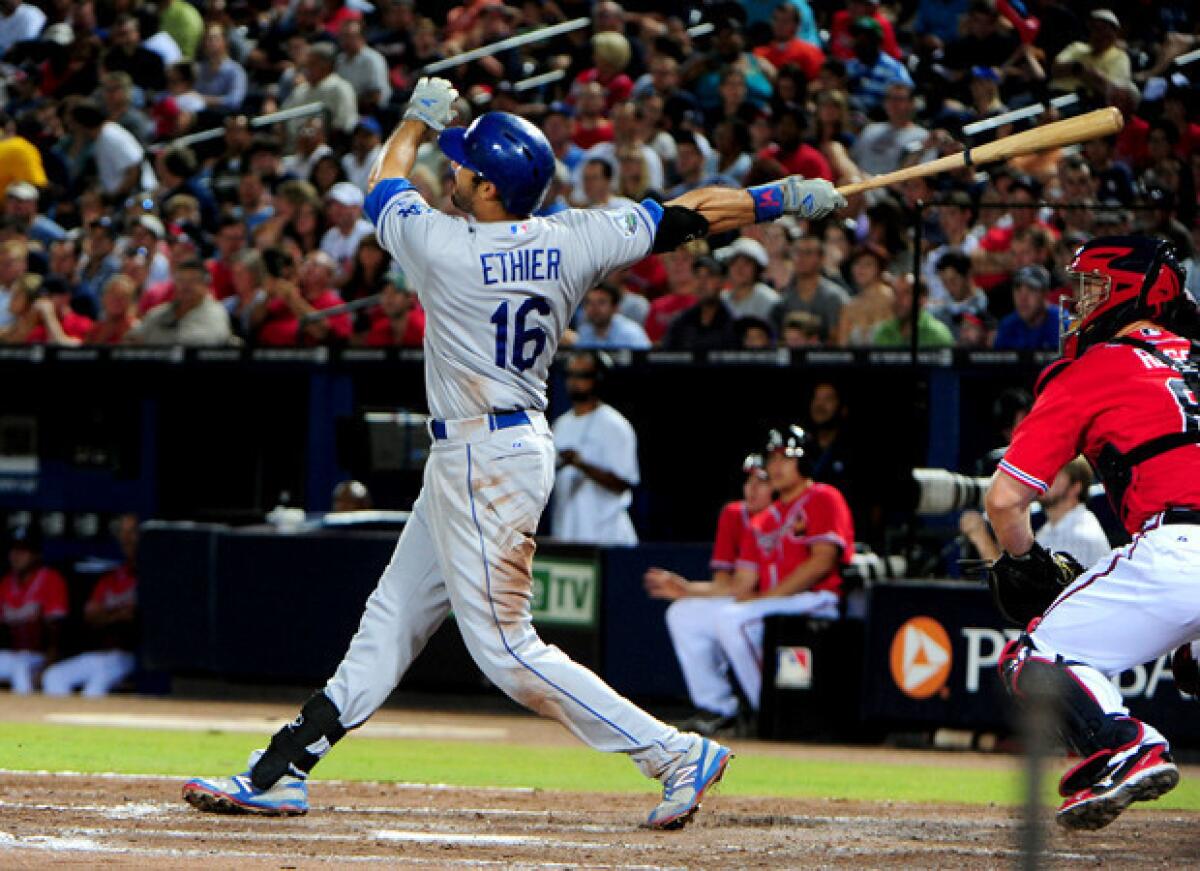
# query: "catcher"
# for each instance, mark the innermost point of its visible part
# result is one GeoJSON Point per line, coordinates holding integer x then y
{"type": "Point", "coordinates": [1126, 393]}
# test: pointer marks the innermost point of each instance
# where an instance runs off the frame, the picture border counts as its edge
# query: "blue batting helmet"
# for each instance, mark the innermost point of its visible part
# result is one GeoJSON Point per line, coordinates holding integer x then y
{"type": "Point", "coordinates": [509, 152]}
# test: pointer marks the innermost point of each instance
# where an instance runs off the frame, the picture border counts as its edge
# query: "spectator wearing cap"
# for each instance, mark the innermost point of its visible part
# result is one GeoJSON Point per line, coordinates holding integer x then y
{"type": "Point", "coordinates": [100, 261]}
{"type": "Point", "coordinates": [746, 294]}
{"type": "Point", "coordinates": [602, 324]}
{"type": "Point", "coordinates": [985, 96]}
{"type": "Point", "coordinates": [20, 159]}
{"type": "Point", "coordinates": [120, 160]}
{"type": "Point", "coordinates": [117, 91]}
{"type": "Point", "coordinates": [872, 302]}
{"type": "Point", "coordinates": [59, 324]}
{"type": "Point", "coordinates": [789, 148]}
{"type": "Point", "coordinates": [33, 605]}
{"type": "Point", "coordinates": [347, 226]}
{"type": "Point", "coordinates": [118, 312]}
{"type": "Point", "coordinates": [191, 317]}
{"type": "Point", "coordinates": [882, 145]}
{"type": "Point", "coordinates": [127, 54]}
{"type": "Point", "coordinates": [312, 292]}
{"type": "Point", "coordinates": [810, 290]}
{"type": "Point", "coordinates": [787, 48]}
{"type": "Point", "coordinates": [364, 149]}
{"type": "Point", "coordinates": [183, 22]}
{"type": "Point", "coordinates": [841, 29]}
{"type": "Point", "coordinates": [1033, 325]}
{"type": "Point", "coordinates": [871, 70]}
{"type": "Point", "coordinates": [1096, 65]}
{"type": "Point", "coordinates": [21, 203]}
{"type": "Point", "coordinates": [398, 321]}
{"type": "Point", "coordinates": [707, 325]}
{"type": "Point", "coordinates": [363, 67]}
{"type": "Point", "coordinates": [178, 171]}
{"type": "Point", "coordinates": [323, 85]}
{"type": "Point", "coordinates": [954, 271]}
{"type": "Point", "coordinates": [220, 80]}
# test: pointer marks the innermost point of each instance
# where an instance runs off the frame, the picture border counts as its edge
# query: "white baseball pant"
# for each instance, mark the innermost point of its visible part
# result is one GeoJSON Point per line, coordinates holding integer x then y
{"type": "Point", "coordinates": [17, 668]}
{"type": "Point", "coordinates": [714, 635]}
{"type": "Point", "coordinates": [1130, 608]}
{"type": "Point", "coordinates": [468, 545]}
{"type": "Point", "coordinates": [96, 673]}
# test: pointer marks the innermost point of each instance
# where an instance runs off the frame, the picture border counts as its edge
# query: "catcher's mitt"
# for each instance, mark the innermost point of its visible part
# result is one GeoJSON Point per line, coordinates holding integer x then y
{"type": "Point", "coordinates": [1186, 670]}
{"type": "Point", "coordinates": [1024, 587]}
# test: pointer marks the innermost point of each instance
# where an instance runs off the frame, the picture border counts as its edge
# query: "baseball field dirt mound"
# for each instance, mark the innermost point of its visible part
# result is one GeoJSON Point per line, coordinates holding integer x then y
{"type": "Point", "coordinates": [51, 820]}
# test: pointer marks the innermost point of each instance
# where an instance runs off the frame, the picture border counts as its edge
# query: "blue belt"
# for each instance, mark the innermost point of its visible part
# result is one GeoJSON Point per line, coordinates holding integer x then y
{"type": "Point", "coordinates": [500, 420]}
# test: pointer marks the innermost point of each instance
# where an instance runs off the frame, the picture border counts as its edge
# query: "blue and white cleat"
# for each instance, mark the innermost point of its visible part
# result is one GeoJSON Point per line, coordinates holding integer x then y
{"type": "Point", "coordinates": [238, 795]}
{"type": "Point", "coordinates": [696, 772]}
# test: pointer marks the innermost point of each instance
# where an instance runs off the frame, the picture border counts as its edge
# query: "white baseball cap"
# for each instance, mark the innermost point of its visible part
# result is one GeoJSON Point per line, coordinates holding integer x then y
{"type": "Point", "coordinates": [744, 246]}
{"type": "Point", "coordinates": [22, 190]}
{"type": "Point", "coordinates": [1108, 17]}
{"type": "Point", "coordinates": [347, 194]}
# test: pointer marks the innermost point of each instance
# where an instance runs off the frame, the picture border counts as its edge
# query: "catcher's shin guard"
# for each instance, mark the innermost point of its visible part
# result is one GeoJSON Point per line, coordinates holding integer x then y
{"type": "Point", "coordinates": [1086, 726]}
{"type": "Point", "coordinates": [299, 745]}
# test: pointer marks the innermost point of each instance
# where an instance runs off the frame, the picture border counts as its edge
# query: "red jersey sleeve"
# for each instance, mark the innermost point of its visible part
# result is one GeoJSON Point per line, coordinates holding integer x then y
{"type": "Point", "coordinates": [828, 520]}
{"type": "Point", "coordinates": [1052, 433]}
{"type": "Point", "coordinates": [52, 595]}
{"type": "Point", "coordinates": [749, 554]}
{"type": "Point", "coordinates": [730, 527]}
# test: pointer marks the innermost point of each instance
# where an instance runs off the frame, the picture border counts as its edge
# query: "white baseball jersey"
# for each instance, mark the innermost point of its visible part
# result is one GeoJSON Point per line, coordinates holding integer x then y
{"type": "Point", "coordinates": [498, 296]}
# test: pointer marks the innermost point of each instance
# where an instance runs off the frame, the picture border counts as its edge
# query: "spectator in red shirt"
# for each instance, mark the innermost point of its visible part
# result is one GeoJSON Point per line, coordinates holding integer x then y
{"type": "Point", "coordinates": [230, 239]}
{"type": "Point", "coordinates": [111, 618]}
{"type": "Point", "coordinates": [611, 54]}
{"type": "Point", "coordinates": [681, 289]}
{"type": "Point", "coordinates": [313, 291]}
{"type": "Point", "coordinates": [786, 48]}
{"type": "Point", "coordinates": [33, 603]}
{"type": "Point", "coordinates": [398, 321]}
{"type": "Point", "coordinates": [118, 312]}
{"type": "Point", "coordinates": [59, 324]}
{"type": "Point", "coordinates": [788, 562]}
{"type": "Point", "coordinates": [592, 125]}
{"type": "Point", "coordinates": [790, 149]}
{"type": "Point", "coordinates": [841, 41]}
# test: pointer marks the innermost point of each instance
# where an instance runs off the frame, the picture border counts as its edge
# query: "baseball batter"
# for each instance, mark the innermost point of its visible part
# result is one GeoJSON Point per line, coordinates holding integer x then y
{"type": "Point", "coordinates": [1126, 393]}
{"type": "Point", "coordinates": [498, 289]}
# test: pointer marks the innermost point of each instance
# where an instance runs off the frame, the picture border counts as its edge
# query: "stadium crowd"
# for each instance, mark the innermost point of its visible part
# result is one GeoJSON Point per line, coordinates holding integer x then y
{"type": "Point", "coordinates": [117, 227]}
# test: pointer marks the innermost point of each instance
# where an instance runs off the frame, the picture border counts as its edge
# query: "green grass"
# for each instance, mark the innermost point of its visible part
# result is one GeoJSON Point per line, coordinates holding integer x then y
{"type": "Point", "coordinates": [37, 746]}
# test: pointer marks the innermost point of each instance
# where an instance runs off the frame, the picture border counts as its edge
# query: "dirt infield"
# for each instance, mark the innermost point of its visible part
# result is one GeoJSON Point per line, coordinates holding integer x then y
{"type": "Point", "coordinates": [55, 820]}
{"type": "Point", "coordinates": [85, 821]}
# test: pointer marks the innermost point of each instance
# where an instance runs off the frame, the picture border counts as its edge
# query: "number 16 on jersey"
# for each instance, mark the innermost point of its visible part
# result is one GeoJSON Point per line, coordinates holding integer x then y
{"type": "Point", "coordinates": [523, 334]}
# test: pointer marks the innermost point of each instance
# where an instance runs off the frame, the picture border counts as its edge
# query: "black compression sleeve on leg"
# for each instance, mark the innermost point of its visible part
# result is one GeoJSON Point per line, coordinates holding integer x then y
{"type": "Point", "coordinates": [678, 225]}
{"type": "Point", "coordinates": [319, 719]}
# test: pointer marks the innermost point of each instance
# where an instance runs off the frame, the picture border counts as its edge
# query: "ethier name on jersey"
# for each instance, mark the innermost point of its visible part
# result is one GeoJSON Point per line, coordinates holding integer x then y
{"type": "Point", "coordinates": [521, 264]}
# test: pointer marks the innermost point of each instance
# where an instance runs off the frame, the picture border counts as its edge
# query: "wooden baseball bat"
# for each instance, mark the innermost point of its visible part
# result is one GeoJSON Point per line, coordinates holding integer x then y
{"type": "Point", "coordinates": [1093, 125]}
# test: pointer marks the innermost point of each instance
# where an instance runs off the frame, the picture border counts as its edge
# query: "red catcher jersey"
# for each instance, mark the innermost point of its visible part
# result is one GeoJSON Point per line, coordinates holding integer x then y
{"type": "Point", "coordinates": [1119, 395]}
{"type": "Point", "coordinates": [779, 538]}
{"type": "Point", "coordinates": [24, 608]}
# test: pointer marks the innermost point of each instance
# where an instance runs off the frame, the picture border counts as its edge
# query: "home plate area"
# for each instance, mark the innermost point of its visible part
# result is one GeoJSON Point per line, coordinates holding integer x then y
{"type": "Point", "coordinates": [126, 821]}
